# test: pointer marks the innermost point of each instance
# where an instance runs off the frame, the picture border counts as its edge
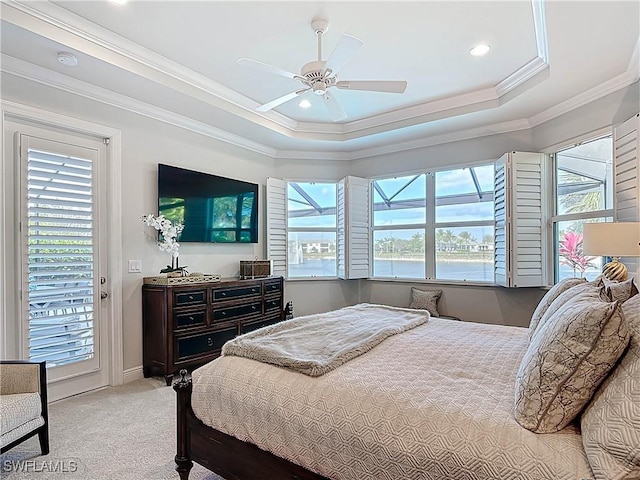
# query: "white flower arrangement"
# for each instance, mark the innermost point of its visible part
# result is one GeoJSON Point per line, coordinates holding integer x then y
{"type": "Point", "coordinates": [168, 230]}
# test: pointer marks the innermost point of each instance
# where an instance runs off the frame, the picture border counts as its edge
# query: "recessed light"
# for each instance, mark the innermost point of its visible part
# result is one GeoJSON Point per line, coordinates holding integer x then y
{"type": "Point", "coordinates": [480, 50]}
{"type": "Point", "coordinates": [304, 104]}
{"type": "Point", "coordinates": [119, 2]}
{"type": "Point", "coordinates": [68, 59]}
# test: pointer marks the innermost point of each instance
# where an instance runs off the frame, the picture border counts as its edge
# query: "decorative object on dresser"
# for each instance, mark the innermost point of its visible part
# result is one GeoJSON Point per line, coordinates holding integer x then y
{"type": "Point", "coordinates": [185, 326]}
{"type": "Point", "coordinates": [168, 242]}
{"type": "Point", "coordinates": [612, 239]}
{"type": "Point", "coordinates": [187, 279]}
{"type": "Point", "coordinates": [255, 268]}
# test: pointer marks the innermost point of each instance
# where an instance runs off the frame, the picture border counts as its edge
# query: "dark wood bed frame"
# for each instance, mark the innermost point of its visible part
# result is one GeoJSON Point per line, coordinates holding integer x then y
{"type": "Point", "coordinates": [223, 454]}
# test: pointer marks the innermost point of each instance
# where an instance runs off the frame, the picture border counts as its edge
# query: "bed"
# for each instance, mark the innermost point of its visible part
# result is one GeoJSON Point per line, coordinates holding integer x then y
{"type": "Point", "coordinates": [435, 401]}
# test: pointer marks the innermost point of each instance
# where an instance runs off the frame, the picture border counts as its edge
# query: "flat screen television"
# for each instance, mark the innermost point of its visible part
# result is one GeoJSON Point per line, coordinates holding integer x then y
{"type": "Point", "coordinates": [211, 208]}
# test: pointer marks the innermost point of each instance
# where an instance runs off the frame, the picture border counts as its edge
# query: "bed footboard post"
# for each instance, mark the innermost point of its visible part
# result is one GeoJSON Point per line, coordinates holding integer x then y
{"type": "Point", "coordinates": [183, 387]}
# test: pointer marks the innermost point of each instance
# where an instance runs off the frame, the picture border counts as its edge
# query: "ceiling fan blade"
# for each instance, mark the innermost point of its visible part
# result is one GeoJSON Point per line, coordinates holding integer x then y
{"type": "Point", "coordinates": [267, 67]}
{"type": "Point", "coordinates": [347, 46]}
{"type": "Point", "coordinates": [334, 108]}
{"type": "Point", "coordinates": [280, 100]}
{"type": "Point", "coordinates": [389, 86]}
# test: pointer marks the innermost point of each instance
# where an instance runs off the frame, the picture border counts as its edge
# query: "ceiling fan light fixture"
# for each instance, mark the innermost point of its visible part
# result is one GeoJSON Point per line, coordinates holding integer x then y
{"type": "Point", "coordinates": [480, 50]}
{"type": "Point", "coordinates": [319, 88]}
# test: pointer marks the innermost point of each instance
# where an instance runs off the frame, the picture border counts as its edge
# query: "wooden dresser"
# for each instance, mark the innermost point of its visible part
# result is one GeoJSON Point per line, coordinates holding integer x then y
{"type": "Point", "coordinates": [185, 326]}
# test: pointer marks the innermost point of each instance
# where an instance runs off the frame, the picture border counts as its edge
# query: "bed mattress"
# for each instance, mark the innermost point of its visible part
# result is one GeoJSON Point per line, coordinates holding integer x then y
{"type": "Point", "coordinates": [431, 403]}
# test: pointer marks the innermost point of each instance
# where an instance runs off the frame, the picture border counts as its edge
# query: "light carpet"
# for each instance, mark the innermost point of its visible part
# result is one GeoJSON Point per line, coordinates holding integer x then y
{"type": "Point", "coordinates": [125, 432]}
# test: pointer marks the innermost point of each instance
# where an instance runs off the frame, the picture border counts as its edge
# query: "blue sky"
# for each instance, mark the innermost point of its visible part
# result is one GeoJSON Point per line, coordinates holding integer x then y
{"type": "Point", "coordinates": [452, 182]}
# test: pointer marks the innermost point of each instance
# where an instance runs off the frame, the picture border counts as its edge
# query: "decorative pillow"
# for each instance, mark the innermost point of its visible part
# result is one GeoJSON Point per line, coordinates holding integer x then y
{"type": "Point", "coordinates": [611, 422]}
{"type": "Point", "coordinates": [549, 297]}
{"type": "Point", "coordinates": [621, 291]}
{"type": "Point", "coordinates": [592, 289]}
{"type": "Point", "coordinates": [425, 300]}
{"type": "Point", "coordinates": [566, 361]}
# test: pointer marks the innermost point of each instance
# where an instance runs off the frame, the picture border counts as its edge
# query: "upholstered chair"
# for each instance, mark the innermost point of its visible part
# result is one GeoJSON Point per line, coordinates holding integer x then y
{"type": "Point", "coordinates": [23, 404]}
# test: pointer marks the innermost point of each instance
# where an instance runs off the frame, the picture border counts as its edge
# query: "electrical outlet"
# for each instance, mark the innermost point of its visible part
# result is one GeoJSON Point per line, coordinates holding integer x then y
{"type": "Point", "coordinates": [135, 266]}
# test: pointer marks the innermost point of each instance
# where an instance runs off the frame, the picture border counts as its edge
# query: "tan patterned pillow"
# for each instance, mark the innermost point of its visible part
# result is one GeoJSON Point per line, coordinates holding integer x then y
{"type": "Point", "coordinates": [566, 361]}
{"type": "Point", "coordinates": [549, 297]}
{"type": "Point", "coordinates": [425, 300]}
{"type": "Point", "coordinates": [611, 422]}
{"type": "Point", "coordinates": [592, 289]}
{"type": "Point", "coordinates": [621, 291]}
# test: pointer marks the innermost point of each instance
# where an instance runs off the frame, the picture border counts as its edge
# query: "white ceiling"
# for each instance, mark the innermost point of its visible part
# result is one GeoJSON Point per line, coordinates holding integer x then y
{"type": "Point", "coordinates": [176, 61]}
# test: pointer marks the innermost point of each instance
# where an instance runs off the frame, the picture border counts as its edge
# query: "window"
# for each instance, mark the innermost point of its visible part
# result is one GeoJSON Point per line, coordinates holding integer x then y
{"type": "Point", "coordinates": [435, 225]}
{"type": "Point", "coordinates": [464, 224]}
{"type": "Point", "coordinates": [399, 225]}
{"type": "Point", "coordinates": [583, 193]}
{"type": "Point", "coordinates": [311, 230]}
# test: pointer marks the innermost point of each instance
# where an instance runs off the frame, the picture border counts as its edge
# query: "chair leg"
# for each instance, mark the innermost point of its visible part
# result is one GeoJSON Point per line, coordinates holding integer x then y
{"type": "Point", "coordinates": [43, 436]}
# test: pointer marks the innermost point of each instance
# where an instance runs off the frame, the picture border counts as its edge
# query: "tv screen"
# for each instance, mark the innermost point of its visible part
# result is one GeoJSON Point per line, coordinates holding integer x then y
{"type": "Point", "coordinates": [211, 208]}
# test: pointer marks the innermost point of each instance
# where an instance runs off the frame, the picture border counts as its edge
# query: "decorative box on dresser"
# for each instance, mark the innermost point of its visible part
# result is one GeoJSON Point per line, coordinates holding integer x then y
{"type": "Point", "coordinates": [185, 326]}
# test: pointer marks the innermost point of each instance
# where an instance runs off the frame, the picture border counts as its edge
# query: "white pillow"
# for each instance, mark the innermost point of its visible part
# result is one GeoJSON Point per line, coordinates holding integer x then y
{"type": "Point", "coordinates": [566, 361]}
{"type": "Point", "coordinates": [549, 297]}
{"type": "Point", "coordinates": [611, 422]}
{"type": "Point", "coordinates": [594, 290]}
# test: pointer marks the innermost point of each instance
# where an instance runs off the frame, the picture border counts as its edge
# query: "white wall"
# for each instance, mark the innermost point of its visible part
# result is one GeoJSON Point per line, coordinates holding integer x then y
{"type": "Point", "coordinates": [146, 142]}
{"type": "Point", "coordinates": [502, 306]}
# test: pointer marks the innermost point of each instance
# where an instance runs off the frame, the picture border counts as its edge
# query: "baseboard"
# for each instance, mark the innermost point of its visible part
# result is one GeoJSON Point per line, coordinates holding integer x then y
{"type": "Point", "coordinates": [132, 374]}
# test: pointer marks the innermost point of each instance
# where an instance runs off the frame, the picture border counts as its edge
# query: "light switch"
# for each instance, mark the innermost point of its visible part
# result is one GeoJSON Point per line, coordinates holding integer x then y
{"type": "Point", "coordinates": [135, 266]}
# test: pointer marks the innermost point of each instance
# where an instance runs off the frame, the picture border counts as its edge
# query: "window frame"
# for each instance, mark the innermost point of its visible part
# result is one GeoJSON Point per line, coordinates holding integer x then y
{"type": "Point", "coordinates": [554, 217]}
{"type": "Point", "coordinates": [289, 229]}
{"type": "Point", "coordinates": [429, 227]}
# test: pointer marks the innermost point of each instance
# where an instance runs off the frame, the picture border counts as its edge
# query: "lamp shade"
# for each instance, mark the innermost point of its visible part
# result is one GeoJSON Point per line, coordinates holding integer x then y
{"type": "Point", "coordinates": [612, 239]}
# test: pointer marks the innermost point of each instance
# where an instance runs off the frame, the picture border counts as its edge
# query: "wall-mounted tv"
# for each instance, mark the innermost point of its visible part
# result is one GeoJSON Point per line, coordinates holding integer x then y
{"type": "Point", "coordinates": [211, 208]}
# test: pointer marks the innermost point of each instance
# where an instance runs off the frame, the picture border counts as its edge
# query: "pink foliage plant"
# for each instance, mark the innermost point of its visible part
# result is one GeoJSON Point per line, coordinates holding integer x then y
{"type": "Point", "coordinates": [571, 252]}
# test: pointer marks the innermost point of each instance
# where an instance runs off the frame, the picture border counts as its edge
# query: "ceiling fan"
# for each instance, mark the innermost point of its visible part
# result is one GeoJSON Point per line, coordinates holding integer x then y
{"type": "Point", "coordinates": [319, 76]}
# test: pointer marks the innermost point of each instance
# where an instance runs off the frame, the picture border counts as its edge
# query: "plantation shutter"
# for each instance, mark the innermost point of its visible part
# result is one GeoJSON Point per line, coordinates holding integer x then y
{"type": "Point", "coordinates": [520, 230]}
{"type": "Point", "coordinates": [501, 237]}
{"type": "Point", "coordinates": [626, 172]}
{"type": "Point", "coordinates": [276, 226]}
{"type": "Point", "coordinates": [60, 257]}
{"type": "Point", "coordinates": [353, 228]}
{"type": "Point", "coordinates": [341, 237]}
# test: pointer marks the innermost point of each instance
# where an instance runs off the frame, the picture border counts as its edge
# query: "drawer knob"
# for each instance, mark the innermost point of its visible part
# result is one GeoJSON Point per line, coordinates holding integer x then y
{"type": "Point", "coordinates": [224, 294]}
{"type": "Point", "coordinates": [210, 341]}
{"type": "Point", "coordinates": [191, 318]}
{"type": "Point", "coordinates": [253, 307]}
{"type": "Point", "coordinates": [224, 313]}
{"type": "Point", "coordinates": [190, 297]}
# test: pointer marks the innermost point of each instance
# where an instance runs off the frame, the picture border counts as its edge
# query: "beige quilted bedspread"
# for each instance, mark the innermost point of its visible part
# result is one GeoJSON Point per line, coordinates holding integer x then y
{"type": "Point", "coordinates": [434, 402]}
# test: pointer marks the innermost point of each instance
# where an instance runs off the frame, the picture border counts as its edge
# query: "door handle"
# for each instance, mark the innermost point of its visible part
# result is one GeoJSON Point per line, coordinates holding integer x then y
{"type": "Point", "coordinates": [103, 295]}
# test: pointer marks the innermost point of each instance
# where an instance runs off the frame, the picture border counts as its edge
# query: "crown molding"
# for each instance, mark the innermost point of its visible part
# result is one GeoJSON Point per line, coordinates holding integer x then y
{"type": "Point", "coordinates": [42, 22]}
{"type": "Point", "coordinates": [35, 73]}
{"type": "Point", "coordinates": [617, 83]}
{"type": "Point", "coordinates": [468, 134]}
{"type": "Point", "coordinates": [63, 26]}
{"type": "Point", "coordinates": [28, 71]}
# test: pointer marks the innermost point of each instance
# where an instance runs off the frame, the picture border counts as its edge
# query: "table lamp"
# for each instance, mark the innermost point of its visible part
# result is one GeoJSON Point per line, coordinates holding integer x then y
{"type": "Point", "coordinates": [612, 239]}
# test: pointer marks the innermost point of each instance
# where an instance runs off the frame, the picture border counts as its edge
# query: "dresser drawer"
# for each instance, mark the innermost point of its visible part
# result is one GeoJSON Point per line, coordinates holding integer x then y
{"type": "Point", "coordinates": [203, 343]}
{"type": "Point", "coordinates": [273, 287]}
{"type": "Point", "coordinates": [272, 304]}
{"type": "Point", "coordinates": [237, 292]}
{"type": "Point", "coordinates": [190, 297]}
{"type": "Point", "coordinates": [250, 327]}
{"type": "Point", "coordinates": [190, 319]}
{"type": "Point", "coordinates": [229, 313]}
